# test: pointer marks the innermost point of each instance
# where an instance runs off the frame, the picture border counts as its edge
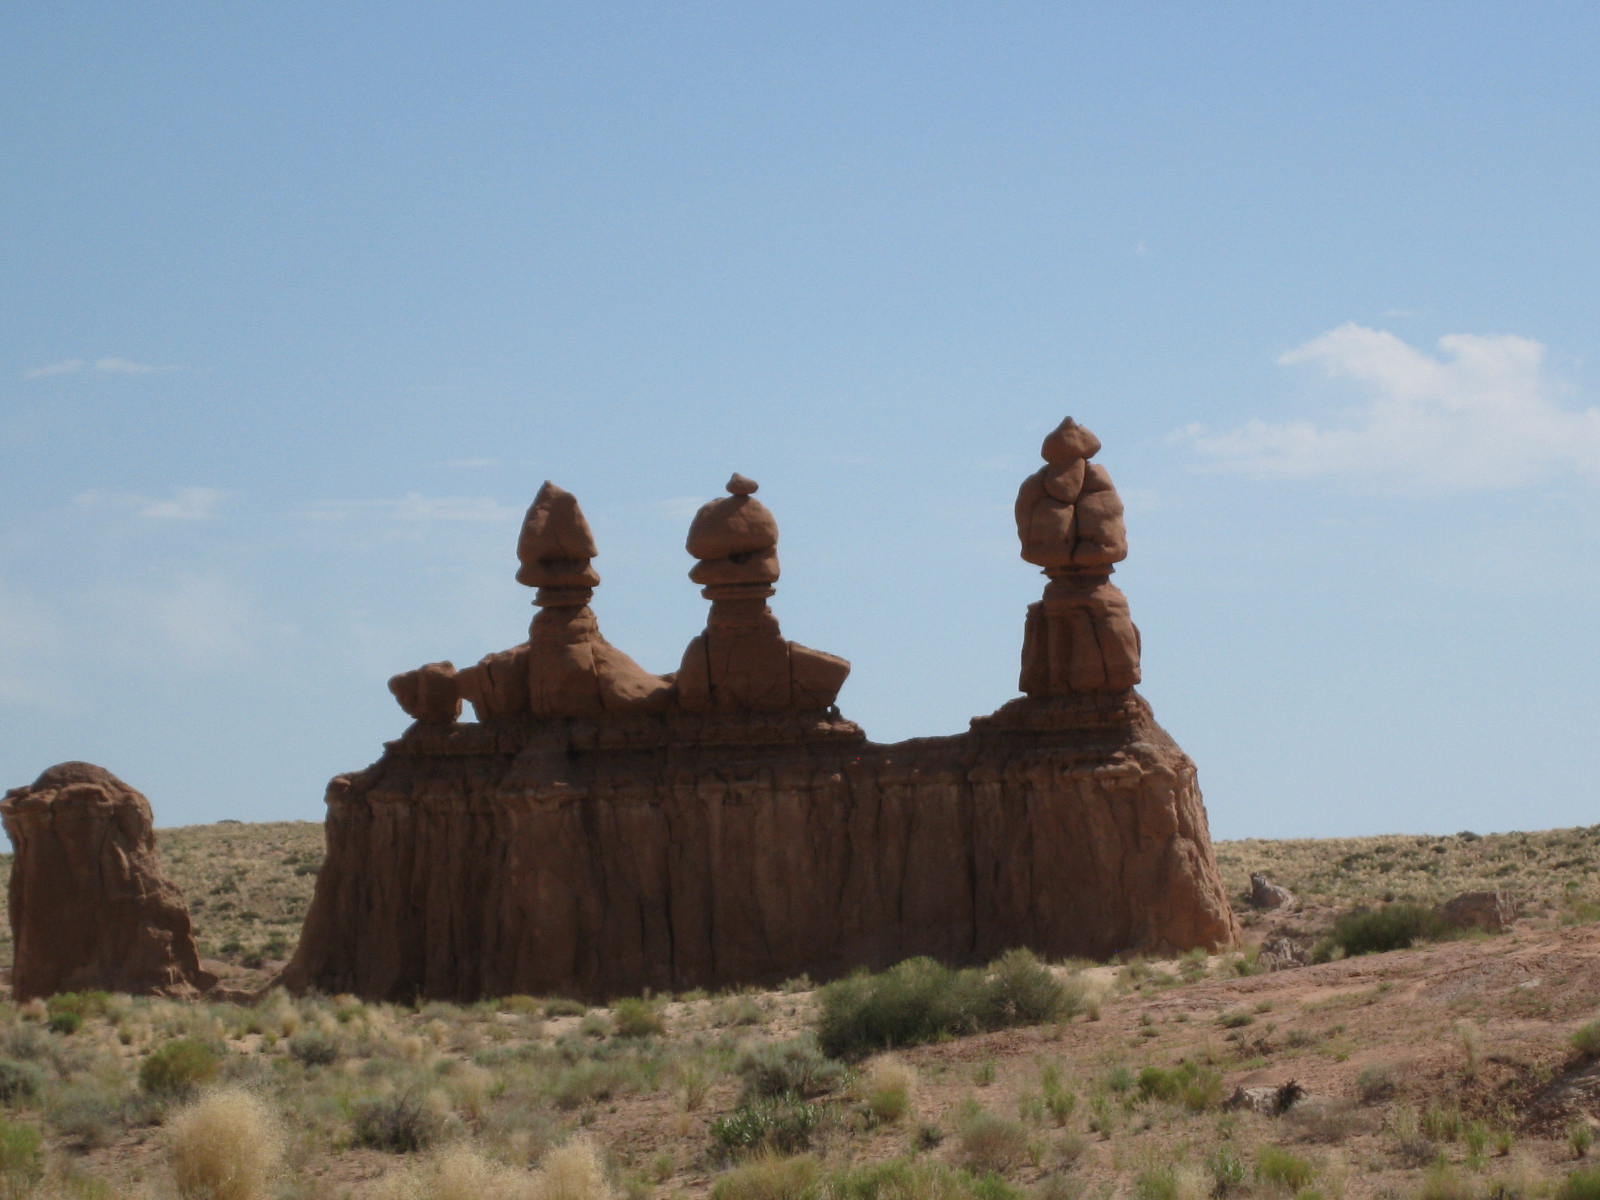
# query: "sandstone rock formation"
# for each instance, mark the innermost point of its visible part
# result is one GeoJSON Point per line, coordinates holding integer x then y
{"type": "Point", "coordinates": [90, 906]}
{"type": "Point", "coordinates": [1080, 637]}
{"type": "Point", "coordinates": [724, 825]}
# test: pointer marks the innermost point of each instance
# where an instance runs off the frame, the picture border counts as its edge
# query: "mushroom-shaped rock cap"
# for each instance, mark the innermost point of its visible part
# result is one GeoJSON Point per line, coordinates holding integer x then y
{"type": "Point", "coordinates": [1069, 441]}
{"type": "Point", "coordinates": [555, 529]}
{"type": "Point", "coordinates": [734, 524]}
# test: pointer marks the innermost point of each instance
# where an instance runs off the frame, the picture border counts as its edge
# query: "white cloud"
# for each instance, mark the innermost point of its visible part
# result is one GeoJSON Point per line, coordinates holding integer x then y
{"type": "Point", "coordinates": [125, 366]}
{"type": "Point", "coordinates": [415, 508]}
{"type": "Point", "coordinates": [104, 366]}
{"type": "Point", "coordinates": [66, 366]}
{"type": "Point", "coordinates": [202, 622]}
{"type": "Point", "coordinates": [185, 503]}
{"type": "Point", "coordinates": [1481, 414]}
{"type": "Point", "coordinates": [679, 508]}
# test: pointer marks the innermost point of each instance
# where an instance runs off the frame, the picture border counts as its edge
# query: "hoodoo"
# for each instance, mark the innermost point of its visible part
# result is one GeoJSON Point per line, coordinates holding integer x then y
{"type": "Point", "coordinates": [599, 830]}
{"type": "Point", "coordinates": [90, 905]}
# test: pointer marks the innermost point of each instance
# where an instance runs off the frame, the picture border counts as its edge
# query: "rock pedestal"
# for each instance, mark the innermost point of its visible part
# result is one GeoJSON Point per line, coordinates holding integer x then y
{"type": "Point", "coordinates": [90, 906]}
{"type": "Point", "coordinates": [726, 826]}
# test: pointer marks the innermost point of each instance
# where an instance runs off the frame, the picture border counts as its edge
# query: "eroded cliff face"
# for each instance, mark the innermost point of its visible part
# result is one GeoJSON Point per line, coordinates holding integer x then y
{"type": "Point", "coordinates": [602, 830]}
{"type": "Point", "coordinates": [598, 862]}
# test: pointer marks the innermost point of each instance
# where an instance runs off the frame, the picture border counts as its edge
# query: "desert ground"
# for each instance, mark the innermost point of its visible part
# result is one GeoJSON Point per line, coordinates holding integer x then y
{"type": "Point", "coordinates": [1466, 1065]}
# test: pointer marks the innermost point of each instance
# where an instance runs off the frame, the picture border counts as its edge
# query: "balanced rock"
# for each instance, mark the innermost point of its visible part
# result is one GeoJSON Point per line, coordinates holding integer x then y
{"type": "Point", "coordinates": [90, 906]}
{"type": "Point", "coordinates": [1080, 637]}
{"type": "Point", "coordinates": [600, 830]}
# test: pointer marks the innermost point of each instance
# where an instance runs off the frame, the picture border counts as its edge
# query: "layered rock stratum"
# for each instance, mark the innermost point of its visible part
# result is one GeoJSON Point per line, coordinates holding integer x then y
{"type": "Point", "coordinates": [90, 905]}
{"type": "Point", "coordinates": [599, 830]}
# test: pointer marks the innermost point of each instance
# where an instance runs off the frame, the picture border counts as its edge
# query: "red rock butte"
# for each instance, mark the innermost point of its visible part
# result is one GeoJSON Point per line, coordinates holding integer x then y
{"type": "Point", "coordinates": [600, 830]}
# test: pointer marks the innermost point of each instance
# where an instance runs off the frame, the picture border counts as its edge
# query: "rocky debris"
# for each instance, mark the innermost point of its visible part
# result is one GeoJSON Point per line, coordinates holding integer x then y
{"type": "Point", "coordinates": [1268, 1101]}
{"type": "Point", "coordinates": [90, 905]}
{"type": "Point", "coordinates": [1492, 912]}
{"type": "Point", "coordinates": [741, 663]}
{"type": "Point", "coordinates": [1080, 637]}
{"type": "Point", "coordinates": [1283, 954]}
{"type": "Point", "coordinates": [1266, 894]}
{"type": "Point", "coordinates": [601, 831]}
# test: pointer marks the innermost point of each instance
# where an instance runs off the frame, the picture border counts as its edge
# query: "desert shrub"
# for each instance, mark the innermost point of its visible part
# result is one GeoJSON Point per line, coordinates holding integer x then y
{"type": "Point", "coordinates": [1580, 1137]}
{"type": "Point", "coordinates": [1375, 1083]}
{"type": "Point", "coordinates": [560, 1006]}
{"type": "Point", "coordinates": [21, 1157]}
{"type": "Point", "coordinates": [1277, 1167]}
{"type": "Point", "coordinates": [1228, 1174]}
{"type": "Point", "coordinates": [635, 1017]}
{"type": "Point", "coordinates": [400, 1124]}
{"type": "Point", "coordinates": [456, 1172]}
{"type": "Point", "coordinates": [902, 1178]}
{"type": "Point", "coordinates": [1197, 1088]}
{"type": "Point", "coordinates": [1173, 1182]}
{"type": "Point", "coordinates": [887, 1088]}
{"type": "Point", "coordinates": [797, 1066]}
{"type": "Point", "coordinates": [770, 1177]}
{"type": "Point", "coordinates": [178, 1068]}
{"type": "Point", "coordinates": [225, 1146]}
{"type": "Point", "coordinates": [313, 1048]}
{"type": "Point", "coordinates": [85, 1113]}
{"type": "Point", "coordinates": [989, 1142]}
{"type": "Point", "coordinates": [1373, 931]}
{"type": "Point", "coordinates": [68, 1010]}
{"type": "Point", "coordinates": [921, 1000]}
{"type": "Point", "coordinates": [1582, 1184]}
{"type": "Point", "coordinates": [19, 1080]}
{"type": "Point", "coordinates": [1442, 1122]}
{"type": "Point", "coordinates": [572, 1172]}
{"type": "Point", "coordinates": [1019, 990]}
{"type": "Point", "coordinates": [587, 1082]}
{"type": "Point", "coordinates": [784, 1124]}
{"type": "Point", "coordinates": [1586, 1041]}
{"type": "Point", "coordinates": [1443, 1182]}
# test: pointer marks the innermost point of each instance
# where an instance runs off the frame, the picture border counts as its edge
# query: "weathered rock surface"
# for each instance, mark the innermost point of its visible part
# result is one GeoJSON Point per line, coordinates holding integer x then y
{"type": "Point", "coordinates": [1268, 895]}
{"type": "Point", "coordinates": [1492, 912]}
{"type": "Point", "coordinates": [90, 906]}
{"type": "Point", "coordinates": [735, 829]}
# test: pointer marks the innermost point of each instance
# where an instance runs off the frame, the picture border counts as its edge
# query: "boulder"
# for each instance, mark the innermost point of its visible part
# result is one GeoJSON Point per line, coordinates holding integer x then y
{"type": "Point", "coordinates": [90, 905]}
{"type": "Point", "coordinates": [1492, 912]}
{"type": "Point", "coordinates": [1266, 894]}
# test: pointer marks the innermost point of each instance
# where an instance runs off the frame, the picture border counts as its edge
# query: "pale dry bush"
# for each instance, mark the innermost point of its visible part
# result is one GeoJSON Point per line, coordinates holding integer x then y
{"type": "Point", "coordinates": [225, 1146]}
{"type": "Point", "coordinates": [458, 1172]}
{"type": "Point", "coordinates": [574, 1172]}
{"type": "Point", "coordinates": [889, 1089]}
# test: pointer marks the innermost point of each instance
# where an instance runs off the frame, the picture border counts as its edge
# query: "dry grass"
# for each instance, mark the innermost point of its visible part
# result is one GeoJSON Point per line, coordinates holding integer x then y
{"type": "Point", "coordinates": [225, 1146]}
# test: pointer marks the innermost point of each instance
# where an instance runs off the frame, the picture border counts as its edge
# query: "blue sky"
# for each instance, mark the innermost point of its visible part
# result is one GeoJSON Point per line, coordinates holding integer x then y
{"type": "Point", "coordinates": [300, 307]}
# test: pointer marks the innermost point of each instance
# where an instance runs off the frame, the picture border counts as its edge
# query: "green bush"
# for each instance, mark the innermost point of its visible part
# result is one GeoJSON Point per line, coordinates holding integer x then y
{"type": "Point", "coordinates": [1582, 1184]}
{"type": "Point", "coordinates": [636, 1017]}
{"type": "Point", "coordinates": [21, 1157]}
{"type": "Point", "coordinates": [178, 1068]}
{"type": "Point", "coordinates": [921, 1000]}
{"type": "Point", "coordinates": [19, 1080]}
{"type": "Point", "coordinates": [1197, 1088]}
{"type": "Point", "coordinates": [783, 1125]}
{"type": "Point", "coordinates": [771, 1178]}
{"type": "Point", "coordinates": [804, 1178]}
{"type": "Point", "coordinates": [779, 1068]}
{"type": "Point", "coordinates": [990, 1142]}
{"type": "Point", "coordinates": [1586, 1041]}
{"type": "Point", "coordinates": [1227, 1170]}
{"type": "Point", "coordinates": [1373, 931]}
{"type": "Point", "coordinates": [313, 1048]}
{"type": "Point", "coordinates": [1275, 1165]}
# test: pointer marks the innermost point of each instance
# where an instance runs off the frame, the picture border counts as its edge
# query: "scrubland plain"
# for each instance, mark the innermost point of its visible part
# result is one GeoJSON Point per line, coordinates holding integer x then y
{"type": "Point", "coordinates": [1463, 1066]}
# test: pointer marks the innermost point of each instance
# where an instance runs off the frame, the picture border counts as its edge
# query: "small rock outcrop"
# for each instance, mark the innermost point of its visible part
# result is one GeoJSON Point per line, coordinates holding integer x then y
{"type": "Point", "coordinates": [90, 906]}
{"type": "Point", "coordinates": [600, 830]}
{"type": "Point", "coordinates": [1265, 894]}
{"type": "Point", "coordinates": [1492, 912]}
